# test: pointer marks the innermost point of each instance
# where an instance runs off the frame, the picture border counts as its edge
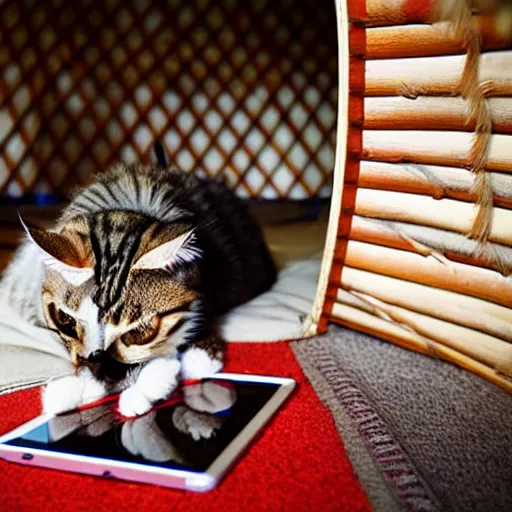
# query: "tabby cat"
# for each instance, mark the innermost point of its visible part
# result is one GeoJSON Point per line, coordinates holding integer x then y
{"type": "Point", "coordinates": [132, 278]}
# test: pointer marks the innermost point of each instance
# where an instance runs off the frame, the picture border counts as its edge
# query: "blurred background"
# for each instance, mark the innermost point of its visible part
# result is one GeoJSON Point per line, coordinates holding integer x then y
{"type": "Point", "coordinates": [243, 89]}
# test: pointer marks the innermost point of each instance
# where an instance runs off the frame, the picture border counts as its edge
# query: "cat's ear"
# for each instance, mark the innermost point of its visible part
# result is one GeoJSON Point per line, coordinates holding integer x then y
{"type": "Point", "coordinates": [60, 255]}
{"type": "Point", "coordinates": [180, 249]}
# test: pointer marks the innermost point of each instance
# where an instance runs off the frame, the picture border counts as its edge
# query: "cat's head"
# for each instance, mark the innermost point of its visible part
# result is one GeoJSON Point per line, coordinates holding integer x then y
{"type": "Point", "coordinates": [134, 298]}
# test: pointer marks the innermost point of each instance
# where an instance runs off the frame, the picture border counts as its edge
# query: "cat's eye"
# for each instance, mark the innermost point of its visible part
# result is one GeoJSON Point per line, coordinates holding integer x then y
{"type": "Point", "coordinates": [65, 323]}
{"type": "Point", "coordinates": [142, 334]}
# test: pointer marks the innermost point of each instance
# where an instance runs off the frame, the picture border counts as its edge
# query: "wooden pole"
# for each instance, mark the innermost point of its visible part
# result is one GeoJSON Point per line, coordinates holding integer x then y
{"type": "Point", "coordinates": [433, 180]}
{"type": "Point", "coordinates": [435, 75]}
{"type": "Point", "coordinates": [487, 349]}
{"type": "Point", "coordinates": [445, 214]}
{"type": "Point", "coordinates": [425, 240]}
{"type": "Point", "coordinates": [476, 314]}
{"type": "Point", "coordinates": [432, 113]}
{"type": "Point", "coordinates": [434, 148]}
{"type": "Point", "coordinates": [448, 275]}
{"type": "Point", "coordinates": [342, 23]}
{"type": "Point", "coordinates": [403, 41]}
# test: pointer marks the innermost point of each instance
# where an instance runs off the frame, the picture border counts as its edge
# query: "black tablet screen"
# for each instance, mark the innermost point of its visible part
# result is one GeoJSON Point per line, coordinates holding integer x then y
{"type": "Point", "coordinates": [172, 436]}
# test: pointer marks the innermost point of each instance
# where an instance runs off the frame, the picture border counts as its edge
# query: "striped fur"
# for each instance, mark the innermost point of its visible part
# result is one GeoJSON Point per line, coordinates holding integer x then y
{"type": "Point", "coordinates": [124, 200]}
{"type": "Point", "coordinates": [168, 251]}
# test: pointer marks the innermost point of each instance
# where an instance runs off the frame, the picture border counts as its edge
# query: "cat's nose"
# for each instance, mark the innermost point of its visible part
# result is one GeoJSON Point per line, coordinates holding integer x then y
{"type": "Point", "coordinates": [96, 357]}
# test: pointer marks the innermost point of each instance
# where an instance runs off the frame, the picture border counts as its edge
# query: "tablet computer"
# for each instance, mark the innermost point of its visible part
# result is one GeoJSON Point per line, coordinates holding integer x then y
{"type": "Point", "coordinates": [174, 445]}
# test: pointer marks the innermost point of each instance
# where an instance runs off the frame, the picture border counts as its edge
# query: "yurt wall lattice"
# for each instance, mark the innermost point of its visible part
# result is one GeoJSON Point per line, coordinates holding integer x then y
{"type": "Point", "coordinates": [243, 89]}
{"type": "Point", "coordinates": [419, 244]}
{"type": "Point", "coordinates": [419, 249]}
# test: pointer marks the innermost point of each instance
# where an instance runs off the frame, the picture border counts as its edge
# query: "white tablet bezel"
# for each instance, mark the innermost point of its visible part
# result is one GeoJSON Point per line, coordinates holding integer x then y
{"type": "Point", "coordinates": [174, 478]}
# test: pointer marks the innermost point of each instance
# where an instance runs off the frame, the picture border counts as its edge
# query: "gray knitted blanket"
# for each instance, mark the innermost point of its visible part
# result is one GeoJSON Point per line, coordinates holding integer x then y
{"type": "Point", "coordinates": [422, 434]}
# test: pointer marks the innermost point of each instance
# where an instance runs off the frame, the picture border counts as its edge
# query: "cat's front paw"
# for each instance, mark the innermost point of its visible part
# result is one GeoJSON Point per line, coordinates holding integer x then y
{"type": "Point", "coordinates": [197, 363]}
{"type": "Point", "coordinates": [156, 381]}
{"type": "Point", "coordinates": [198, 425]}
{"type": "Point", "coordinates": [133, 402]}
{"type": "Point", "coordinates": [66, 393]}
{"type": "Point", "coordinates": [62, 394]}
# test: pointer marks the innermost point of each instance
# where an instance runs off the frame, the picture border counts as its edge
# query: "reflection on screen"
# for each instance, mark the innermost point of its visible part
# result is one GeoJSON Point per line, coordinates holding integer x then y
{"type": "Point", "coordinates": [173, 436]}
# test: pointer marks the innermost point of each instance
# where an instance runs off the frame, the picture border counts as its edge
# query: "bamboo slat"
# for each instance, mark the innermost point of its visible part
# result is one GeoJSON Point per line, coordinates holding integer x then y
{"type": "Point", "coordinates": [363, 321]}
{"type": "Point", "coordinates": [444, 213]}
{"type": "Point", "coordinates": [432, 180]}
{"type": "Point", "coordinates": [395, 12]}
{"type": "Point", "coordinates": [432, 113]}
{"type": "Point", "coordinates": [425, 240]}
{"type": "Point", "coordinates": [452, 276]}
{"type": "Point", "coordinates": [489, 350]}
{"type": "Point", "coordinates": [389, 11]}
{"type": "Point", "coordinates": [434, 147]}
{"type": "Point", "coordinates": [435, 75]}
{"type": "Point", "coordinates": [428, 40]}
{"type": "Point", "coordinates": [452, 307]}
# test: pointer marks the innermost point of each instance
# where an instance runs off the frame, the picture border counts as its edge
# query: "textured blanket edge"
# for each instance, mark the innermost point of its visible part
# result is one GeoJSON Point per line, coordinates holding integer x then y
{"type": "Point", "coordinates": [363, 431]}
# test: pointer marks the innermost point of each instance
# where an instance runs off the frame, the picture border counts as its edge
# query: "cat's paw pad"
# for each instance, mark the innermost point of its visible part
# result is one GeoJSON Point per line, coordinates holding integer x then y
{"type": "Point", "coordinates": [62, 394]}
{"type": "Point", "coordinates": [133, 402]}
{"type": "Point", "coordinates": [196, 424]}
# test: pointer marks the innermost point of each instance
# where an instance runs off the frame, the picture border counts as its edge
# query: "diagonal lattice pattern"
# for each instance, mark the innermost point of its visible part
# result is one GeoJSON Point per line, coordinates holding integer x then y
{"type": "Point", "coordinates": [243, 89]}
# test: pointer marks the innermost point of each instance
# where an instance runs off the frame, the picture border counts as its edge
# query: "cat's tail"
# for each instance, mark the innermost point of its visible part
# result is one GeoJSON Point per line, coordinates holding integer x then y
{"type": "Point", "coordinates": [160, 154]}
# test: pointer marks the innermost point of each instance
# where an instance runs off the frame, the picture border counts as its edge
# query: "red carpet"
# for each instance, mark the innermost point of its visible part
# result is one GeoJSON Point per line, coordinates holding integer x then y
{"type": "Point", "coordinates": [298, 464]}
